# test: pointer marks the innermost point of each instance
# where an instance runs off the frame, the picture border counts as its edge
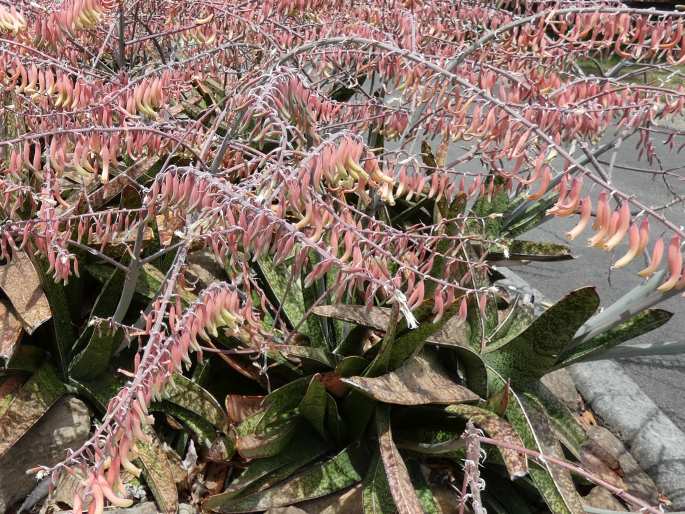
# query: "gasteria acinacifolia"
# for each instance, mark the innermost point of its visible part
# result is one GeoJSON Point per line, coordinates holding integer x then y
{"type": "Point", "coordinates": [312, 122]}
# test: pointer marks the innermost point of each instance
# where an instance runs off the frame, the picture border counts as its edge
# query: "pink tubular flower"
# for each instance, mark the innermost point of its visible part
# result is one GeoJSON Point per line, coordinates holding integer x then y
{"type": "Point", "coordinates": [621, 230]}
{"type": "Point", "coordinates": [585, 214]}
{"type": "Point", "coordinates": [633, 247]}
{"type": "Point", "coordinates": [568, 203]}
{"type": "Point", "coordinates": [603, 222]}
{"type": "Point", "coordinates": [675, 265]}
{"type": "Point", "coordinates": [657, 254]}
{"type": "Point", "coordinates": [544, 184]}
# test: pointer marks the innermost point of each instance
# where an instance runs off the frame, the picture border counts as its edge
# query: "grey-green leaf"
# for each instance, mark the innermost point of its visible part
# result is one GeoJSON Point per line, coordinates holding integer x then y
{"type": "Point", "coordinates": [636, 326]}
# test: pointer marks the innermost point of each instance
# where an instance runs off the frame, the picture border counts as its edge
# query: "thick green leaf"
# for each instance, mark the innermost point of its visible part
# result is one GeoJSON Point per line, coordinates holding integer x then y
{"type": "Point", "coordinates": [320, 331]}
{"type": "Point", "coordinates": [193, 397]}
{"type": "Point", "coordinates": [526, 214]}
{"type": "Point", "coordinates": [499, 401]}
{"type": "Point", "coordinates": [270, 441]}
{"type": "Point", "coordinates": [95, 357]}
{"type": "Point", "coordinates": [158, 473]}
{"type": "Point", "coordinates": [423, 490]}
{"type": "Point", "coordinates": [519, 250]}
{"type": "Point", "coordinates": [100, 391]}
{"type": "Point", "coordinates": [25, 358]}
{"type": "Point", "coordinates": [630, 304]}
{"type": "Point", "coordinates": [445, 445]}
{"type": "Point", "coordinates": [320, 479]}
{"type": "Point", "coordinates": [411, 342]}
{"type": "Point", "coordinates": [376, 496]}
{"type": "Point", "coordinates": [534, 352]}
{"type": "Point", "coordinates": [399, 482]}
{"type": "Point", "coordinates": [202, 430]}
{"type": "Point", "coordinates": [381, 361]}
{"type": "Point", "coordinates": [496, 428]}
{"type": "Point", "coordinates": [490, 209]}
{"type": "Point", "coordinates": [61, 317]}
{"type": "Point", "coordinates": [558, 499]}
{"type": "Point", "coordinates": [420, 381]}
{"type": "Point", "coordinates": [263, 433]}
{"type": "Point", "coordinates": [517, 318]}
{"type": "Point", "coordinates": [353, 343]}
{"type": "Point", "coordinates": [149, 282]}
{"type": "Point", "coordinates": [549, 445]}
{"type": "Point", "coordinates": [96, 346]}
{"type": "Point", "coordinates": [29, 404]}
{"type": "Point", "coordinates": [357, 410]}
{"type": "Point", "coordinates": [636, 326]}
{"type": "Point", "coordinates": [633, 350]}
{"type": "Point", "coordinates": [351, 366]}
{"type": "Point", "coordinates": [335, 425]}
{"type": "Point", "coordinates": [313, 405]}
{"type": "Point", "coordinates": [283, 400]}
{"type": "Point", "coordinates": [317, 356]}
{"type": "Point", "coordinates": [563, 422]}
{"type": "Point", "coordinates": [283, 291]}
{"type": "Point", "coordinates": [302, 450]}
{"type": "Point", "coordinates": [469, 364]}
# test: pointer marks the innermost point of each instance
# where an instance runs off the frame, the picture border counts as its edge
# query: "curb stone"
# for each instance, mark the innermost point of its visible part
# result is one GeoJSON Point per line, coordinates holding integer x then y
{"type": "Point", "coordinates": [655, 442]}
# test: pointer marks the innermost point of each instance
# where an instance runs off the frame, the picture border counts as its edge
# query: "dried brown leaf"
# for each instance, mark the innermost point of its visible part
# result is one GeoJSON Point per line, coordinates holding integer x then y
{"type": "Point", "coordinates": [158, 473]}
{"type": "Point", "coordinates": [10, 332]}
{"type": "Point", "coordinates": [401, 488]}
{"type": "Point", "coordinates": [21, 283]}
{"type": "Point", "coordinates": [240, 407]}
{"type": "Point", "coordinates": [420, 381]}
{"type": "Point", "coordinates": [454, 332]}
{"type": "Point", "coordinates": [28, 406]}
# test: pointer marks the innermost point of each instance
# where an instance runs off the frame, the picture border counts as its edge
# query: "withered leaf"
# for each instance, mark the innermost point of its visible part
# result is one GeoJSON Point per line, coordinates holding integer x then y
{"type": "Point", "coordinates": [400, 484]}
{"type": "Point", "coordinates": [420, 381]}
{"type": "Point", "coordinates": [28, 406]}
{"type": "Point", "coordinates": [21, 283]}
{"type": "Point", "coordinates": [454, 332]}
{"type": "Point", "coordinates": [158, 473]}
{"type": "Point", "coordinates": [240, 407]}
{"type": "Point", "coordinates": [10, 332]}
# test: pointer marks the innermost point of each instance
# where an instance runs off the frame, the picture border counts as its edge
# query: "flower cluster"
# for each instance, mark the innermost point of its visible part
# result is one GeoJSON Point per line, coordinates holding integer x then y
{"type": "Point", "coordinates": [219, 307]}
{"type": "Point", "coordinates": [304, 131]}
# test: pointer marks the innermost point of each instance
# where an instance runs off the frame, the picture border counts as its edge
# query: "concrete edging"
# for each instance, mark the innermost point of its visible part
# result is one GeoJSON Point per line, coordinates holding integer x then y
{"type": "Point", "coordinates": [655, 442]}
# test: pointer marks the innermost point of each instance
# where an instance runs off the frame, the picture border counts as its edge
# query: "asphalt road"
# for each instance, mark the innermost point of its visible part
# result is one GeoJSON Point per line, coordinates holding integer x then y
{"type": "Point", "coordinates": [661, 378]}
